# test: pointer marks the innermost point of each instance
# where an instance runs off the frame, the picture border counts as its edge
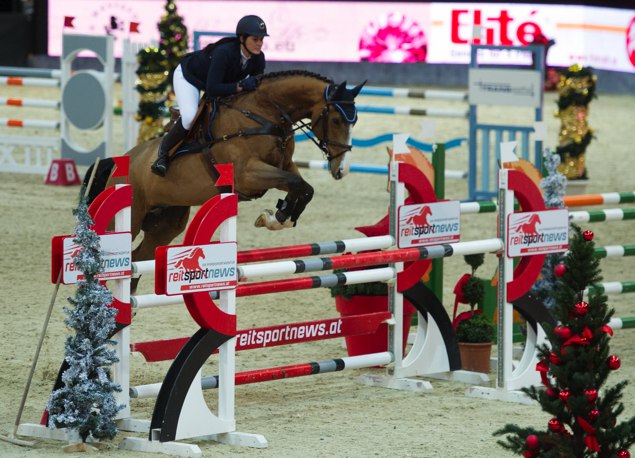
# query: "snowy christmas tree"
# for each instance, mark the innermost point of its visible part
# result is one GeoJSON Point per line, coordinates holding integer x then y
{"type": "Point", "coordinates": [574, 370]}
{"type": "Point", "coordinates": [554, 186]}
{"type": "Point", "coordinates": [86, 402]}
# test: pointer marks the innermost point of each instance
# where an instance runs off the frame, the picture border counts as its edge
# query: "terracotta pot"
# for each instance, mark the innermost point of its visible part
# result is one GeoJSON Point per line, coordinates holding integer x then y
{"type": "Point", "coordinates": [371, 343]}
{"type": "Point", "coordinates": [475, 357]}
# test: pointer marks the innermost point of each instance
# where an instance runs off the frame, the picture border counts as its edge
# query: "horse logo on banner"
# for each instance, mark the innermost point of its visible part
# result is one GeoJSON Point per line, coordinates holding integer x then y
{"type": "Point", "coordinates": [191, 261]}
{"type": "Point", "coordinates": [529, 227]}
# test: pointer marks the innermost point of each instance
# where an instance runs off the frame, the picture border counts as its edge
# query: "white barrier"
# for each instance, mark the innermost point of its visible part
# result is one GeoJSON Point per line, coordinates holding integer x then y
{"type": "Point", "coordinates": [85, 96]}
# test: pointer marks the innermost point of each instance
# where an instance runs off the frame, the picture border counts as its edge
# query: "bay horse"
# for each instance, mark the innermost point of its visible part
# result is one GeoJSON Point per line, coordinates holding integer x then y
{"type": "Point", "coordinates": [254, 131]}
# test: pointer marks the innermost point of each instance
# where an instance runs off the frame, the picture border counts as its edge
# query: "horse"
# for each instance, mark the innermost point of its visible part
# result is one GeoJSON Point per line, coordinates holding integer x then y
{"type": "Point", "coordinates": [254, 131]}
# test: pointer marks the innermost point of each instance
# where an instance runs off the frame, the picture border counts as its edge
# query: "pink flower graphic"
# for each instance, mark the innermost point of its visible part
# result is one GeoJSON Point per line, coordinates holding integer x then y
{"type": "Point", "coordinates": [393, 38]}
{"type": "Point", "coordinates": [630, 41]}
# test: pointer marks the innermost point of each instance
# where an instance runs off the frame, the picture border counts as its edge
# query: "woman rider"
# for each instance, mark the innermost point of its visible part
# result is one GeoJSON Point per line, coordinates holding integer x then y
{"type": "Point", "coordinates": [223, 68]}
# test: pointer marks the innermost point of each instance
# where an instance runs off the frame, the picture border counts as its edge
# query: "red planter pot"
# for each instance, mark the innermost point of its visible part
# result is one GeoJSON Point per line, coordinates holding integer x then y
{"type": "Point", "coordinates": [377, 342]}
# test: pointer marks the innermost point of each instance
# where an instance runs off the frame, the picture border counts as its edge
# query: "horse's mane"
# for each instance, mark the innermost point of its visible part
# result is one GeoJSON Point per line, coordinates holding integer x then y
{"type": "Point", "coordinates": [291, 73]}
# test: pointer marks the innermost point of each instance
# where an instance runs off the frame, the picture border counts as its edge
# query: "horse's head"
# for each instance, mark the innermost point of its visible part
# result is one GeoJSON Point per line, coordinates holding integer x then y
{"type": "Point", "coordinates": [332, 126]}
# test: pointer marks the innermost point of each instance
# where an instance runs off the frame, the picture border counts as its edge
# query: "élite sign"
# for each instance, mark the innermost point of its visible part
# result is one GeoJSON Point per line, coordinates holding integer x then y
{"type": "Point", "coordinates": [116, 259]}
{"type": "Point", "coordinates": [429, 224]}
{"type": "Point", "coordinates": [198, 268]}
{"type": "Point", "coordinates": [537, 232]}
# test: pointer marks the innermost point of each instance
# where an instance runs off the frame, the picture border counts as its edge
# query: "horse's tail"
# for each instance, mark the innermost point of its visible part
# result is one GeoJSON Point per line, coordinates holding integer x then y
{"type": "Point", "coordinates": [101, 177]}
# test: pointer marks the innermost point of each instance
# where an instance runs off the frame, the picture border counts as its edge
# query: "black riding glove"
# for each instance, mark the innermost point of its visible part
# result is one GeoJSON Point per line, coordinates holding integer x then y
{"type": "Point", "coordinates": [248, 84]}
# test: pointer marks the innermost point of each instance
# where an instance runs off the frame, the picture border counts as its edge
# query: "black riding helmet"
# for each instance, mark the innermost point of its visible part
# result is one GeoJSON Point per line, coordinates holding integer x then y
{"type": "Point", "coordinates": [251, 25]}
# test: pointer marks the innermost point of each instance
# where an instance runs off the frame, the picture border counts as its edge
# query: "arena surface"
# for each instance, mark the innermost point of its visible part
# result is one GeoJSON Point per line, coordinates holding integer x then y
{"type": "Point", "coordinates": [325, 415]}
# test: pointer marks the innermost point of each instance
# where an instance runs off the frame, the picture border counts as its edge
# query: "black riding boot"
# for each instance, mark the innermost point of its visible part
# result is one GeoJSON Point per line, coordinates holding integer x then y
{"type": "Point", "coordinates": [174, 136]}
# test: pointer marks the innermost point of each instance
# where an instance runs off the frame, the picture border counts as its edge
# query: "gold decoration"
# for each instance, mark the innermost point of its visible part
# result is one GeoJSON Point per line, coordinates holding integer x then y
{"type": "Point", "coordinates": [572, 167]}
{"type": "Point", "coordinates": [151, 80]}
{"type": "Point", "coordinates": [150, 130]}
{"type": "Point", "coordinates": [574, 124]}
{"type": "Point", "coordinates": [575, 88]}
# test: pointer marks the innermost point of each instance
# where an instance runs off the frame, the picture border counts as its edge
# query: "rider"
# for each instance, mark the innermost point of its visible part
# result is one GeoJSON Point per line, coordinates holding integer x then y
{"type": "Point", "coordinates": [223, 68]}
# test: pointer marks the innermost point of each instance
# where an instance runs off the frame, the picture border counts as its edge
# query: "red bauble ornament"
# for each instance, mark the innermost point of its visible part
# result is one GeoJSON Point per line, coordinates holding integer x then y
{"type": "Point", "coordinates": [532, 442]}
{"type": "Point", "coordinates": [553, 358]}
{"type": "Point", "coordinates": [554, 425]}
{"type": "Point", "coordinates": [614, 362]}
{"type": "Point", "coordinates": [593, 415]}
{"type": "Point", "coordinates": [623, 454]}
{"type": "Point", "coordinates": [564, 395]}
{"type": "Point", "coordinates": [588, 235]}
{"type": "Point", "coordinates": [559, 270]}
{"type": "Point", "coordinates": [563, 332]}
{"type": "Point", "coordinates": [591, 394]}
{"type": "Point", "coordinates": [528, 454]}
{"type": "Point", "coordinates": [551, 393]}
{"type": "Point", "coordinates": [581, 308]}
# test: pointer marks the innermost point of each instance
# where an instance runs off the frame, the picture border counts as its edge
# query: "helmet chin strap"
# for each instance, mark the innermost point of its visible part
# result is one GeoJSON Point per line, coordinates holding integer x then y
{"type": "Point", "coordinates": [244, 46]}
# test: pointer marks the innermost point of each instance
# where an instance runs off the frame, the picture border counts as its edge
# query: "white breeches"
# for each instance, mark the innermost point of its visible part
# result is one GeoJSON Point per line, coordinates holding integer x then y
{"type": "Point", "coordinates": [187, 97]}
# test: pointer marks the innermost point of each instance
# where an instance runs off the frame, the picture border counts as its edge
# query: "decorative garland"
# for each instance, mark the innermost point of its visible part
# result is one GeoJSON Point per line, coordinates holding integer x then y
{"type": "Point", "coordinates": [152, 86]}
{"type": "Point", "coordinates": [576, 90]}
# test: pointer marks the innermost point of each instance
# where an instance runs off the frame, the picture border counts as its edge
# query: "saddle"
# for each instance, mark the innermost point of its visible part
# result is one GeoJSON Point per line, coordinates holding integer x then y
{"type": "Point", "coordinates": [200, 134]}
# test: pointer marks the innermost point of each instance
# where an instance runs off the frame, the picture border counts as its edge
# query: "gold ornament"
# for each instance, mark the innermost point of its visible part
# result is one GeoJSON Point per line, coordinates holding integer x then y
{"type": "Point", "coordinates": [150, 130]}
{"type": "Point", "coordinates": [151, 80]}
{"type": "Point", "coordinates": [574, 124]}
{"type": "Point", "coordinates": [572, 167]}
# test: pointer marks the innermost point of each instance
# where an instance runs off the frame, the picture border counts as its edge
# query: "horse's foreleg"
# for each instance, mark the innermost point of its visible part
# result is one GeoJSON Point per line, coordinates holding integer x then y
{"type": "Point", "coordinates": [299, 194]}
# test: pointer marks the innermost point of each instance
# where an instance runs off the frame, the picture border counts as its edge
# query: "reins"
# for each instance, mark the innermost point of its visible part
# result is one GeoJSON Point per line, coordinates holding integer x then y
{"type": "Point", "coordinates": [287, 128]}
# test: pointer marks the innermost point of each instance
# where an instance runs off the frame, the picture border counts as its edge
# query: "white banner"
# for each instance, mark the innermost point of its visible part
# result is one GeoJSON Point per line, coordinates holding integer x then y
{"type": "Point", "coordinates": [116, 259]}
{"type": "Point", "coordinates": [429, 224]}
{"type": "Point", "coordinates": [518, 88]}
{"type": "Point", "coordinates": [540, 232]}
{"type": "Point", "coordinates": [397, 32]}
{"type": "Point", "coordinates": [196, 268]}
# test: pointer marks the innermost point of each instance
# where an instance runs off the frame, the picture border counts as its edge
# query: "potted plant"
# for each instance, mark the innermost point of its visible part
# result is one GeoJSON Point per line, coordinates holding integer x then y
{"type": "Point", "coordinates": [368, 298]}
{"type": "Point", "coordinates": [474, 331]}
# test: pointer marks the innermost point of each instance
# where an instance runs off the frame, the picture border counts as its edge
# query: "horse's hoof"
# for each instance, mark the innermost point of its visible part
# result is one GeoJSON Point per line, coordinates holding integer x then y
{"type": "Point", "coordinates": [261, 221]}
{"type": "Point", "coordinates": [268, 220]}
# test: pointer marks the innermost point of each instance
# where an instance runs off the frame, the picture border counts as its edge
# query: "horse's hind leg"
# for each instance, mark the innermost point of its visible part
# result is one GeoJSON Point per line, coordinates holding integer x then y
{"type": "Point", "coordinates": [160, 227]}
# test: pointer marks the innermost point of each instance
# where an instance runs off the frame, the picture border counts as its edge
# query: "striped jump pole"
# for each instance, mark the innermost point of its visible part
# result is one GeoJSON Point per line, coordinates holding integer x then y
{"type": "Point", "coordinates": [599, 199]}
{"type": "Point", "coordinates": [30, 123]}
{"type": "Point", "coordinates": [622, 323]}
{"type": "Point", "coordinates": [278, 373]}
{"type": "Point", "coordinates": [328, 280]}
{"type": "Point", "coordinates": [409, 111]}
{"type": "Point", "coordinates": [594, 216]}
{"type": "Point", "coordinates": [306, 249]}
{"type": "Point", "coordinates": [611, 287]}
{"type": "Point", "coordinates": [432, 94]}
{"type": "Point", "coordinates": [30, 103]}
{"type": "Point", "coordinates": [34, 82]}
{"type": "Point", "coordinates": [377, 169]}
{"type": "Point", "coordinates": [615, 251]}
{"type": "Point", "coordinates": [488, 206]}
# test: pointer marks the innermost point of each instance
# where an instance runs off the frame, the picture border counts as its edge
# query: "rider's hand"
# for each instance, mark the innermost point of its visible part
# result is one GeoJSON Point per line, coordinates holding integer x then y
{"type": "Point", "coordinates": [248, 84]}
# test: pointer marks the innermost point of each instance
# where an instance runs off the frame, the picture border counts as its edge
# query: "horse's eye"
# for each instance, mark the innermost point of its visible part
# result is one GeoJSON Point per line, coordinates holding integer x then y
{"type": "Point", "coordinates": [337, 121]}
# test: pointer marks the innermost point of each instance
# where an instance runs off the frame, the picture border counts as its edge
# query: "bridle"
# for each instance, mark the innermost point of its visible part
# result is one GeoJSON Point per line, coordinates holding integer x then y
{"type": "Point", "coordinates": [287, 128]}
{"type": "Point", "coordinates": [324, 144]}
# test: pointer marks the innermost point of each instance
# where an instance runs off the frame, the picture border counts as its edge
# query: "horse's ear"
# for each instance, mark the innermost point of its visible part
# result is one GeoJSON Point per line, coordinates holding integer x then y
{"type": "Point", "coordinates": [358, 88]}
{"type": "Point", "coordinates": [340, 91]}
